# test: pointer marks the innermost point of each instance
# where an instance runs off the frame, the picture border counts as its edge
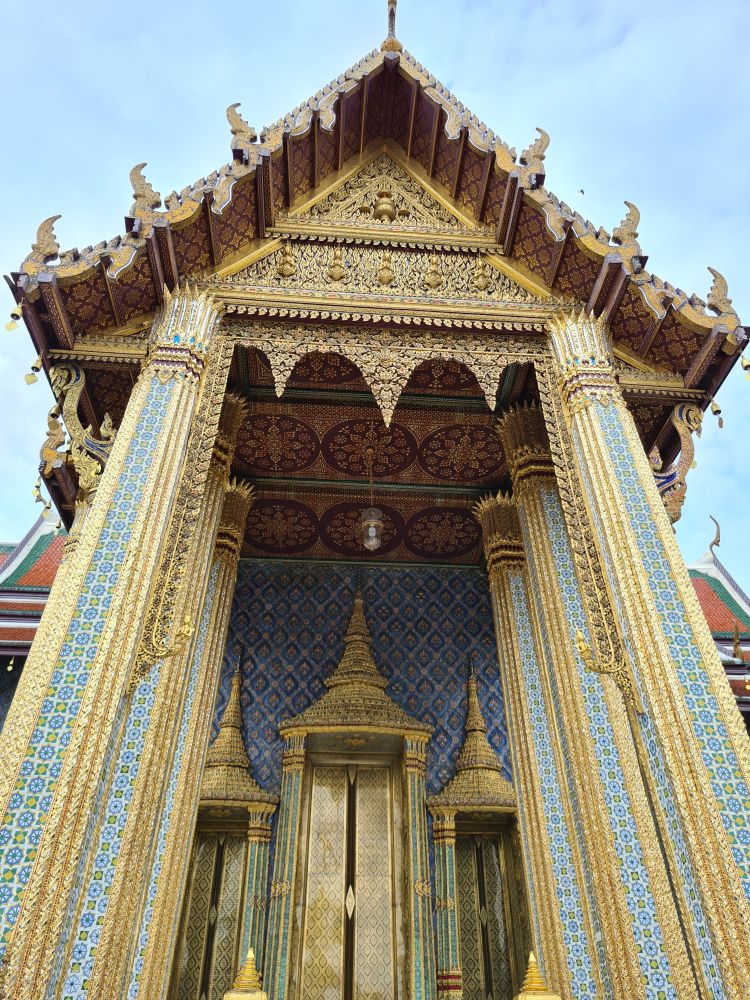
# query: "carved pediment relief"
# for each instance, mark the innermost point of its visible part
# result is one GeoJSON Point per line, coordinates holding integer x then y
{"type": "Point", "coordinates": [384, 195]}
{"type": "Point", "coordinates": [377, 271]}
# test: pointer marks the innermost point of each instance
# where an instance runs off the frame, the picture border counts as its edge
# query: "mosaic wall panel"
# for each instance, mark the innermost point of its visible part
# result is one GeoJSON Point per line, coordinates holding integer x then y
{"type": "Point", "coordinates": [646, 929]}
{"type": "Point", "coordinates": [287, 629]}
{"type": "Point", "coordinates": [195, 670]}
{"type": "Point", "coordinates": [32, 797]}
{"type": "Point", "coordinates": [566, 884]}
{"type": "Point", "coordinates": [718, 755]}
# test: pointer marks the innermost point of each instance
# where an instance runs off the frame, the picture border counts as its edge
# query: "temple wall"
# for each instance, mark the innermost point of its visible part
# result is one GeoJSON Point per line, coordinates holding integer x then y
{"type": "Point", "coordinates": [428, 624]}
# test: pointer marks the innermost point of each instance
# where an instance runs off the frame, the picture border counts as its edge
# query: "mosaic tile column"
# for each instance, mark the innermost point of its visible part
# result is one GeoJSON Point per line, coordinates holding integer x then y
{"type": "Point", "coordinates": [563, 928]}
{"type": "Point", "coordinates": [64, 723]}
{"type": "Point", "coordinates": [635, 957]}
{"type": "Point", "coordinates": [158, 925]}
{"type": "Point", "coordinates": [123, 884]}
{"type": "Point", "coordinates": [276, 967]}
{"type": "Point", "coordinates": [449, 984]}
{"type": "Point", "coordinates": [422, 939]}
{"type": "Point", "coordinates": [698, 757]}
{"type": "Point", "coordinates": [256, 901]}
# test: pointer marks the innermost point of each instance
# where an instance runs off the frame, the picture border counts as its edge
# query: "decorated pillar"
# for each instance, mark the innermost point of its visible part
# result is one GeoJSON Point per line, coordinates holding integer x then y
{"type": "Point", "coordinates": [422, 956]}
{"type": "Point", "coordinates": [562, 923]}
{"type": "Point", "coordinates": [159, 918]}
{"type": "Point", "coordinates": [276, 965]}
{"type": "Point", "coordinates": [623, 875]}
{"type": "Point", "coordinates": [694, 753]}
{"type": "Point", "coordinates": [449, 985]}
{"type": "Point", "coordinates": [256, 895]}
{"type": "Point", "coordinates": [65, 722]}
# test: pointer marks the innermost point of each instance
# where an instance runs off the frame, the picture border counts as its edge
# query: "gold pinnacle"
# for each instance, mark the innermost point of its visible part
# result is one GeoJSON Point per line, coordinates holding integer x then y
{"type": "Point", "coordinates": [533, 983]}
{"type": "Point", "coordinates": [247, 983]}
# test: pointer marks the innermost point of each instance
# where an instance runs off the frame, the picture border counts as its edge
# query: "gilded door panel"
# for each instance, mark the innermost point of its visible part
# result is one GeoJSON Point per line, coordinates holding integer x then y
{"type": "Point", "coordinates": [469, 933]}
{"type": "Point", "coordinates": [374, 977]}
{"type": "Point", "coordinates": [187, 977]}
{"type": "Point", "coordinates": [493, 887]}
{"type": "Point", "coordinates": [322, 952]}
{"type": "Point", "coordinates": [227, 918]}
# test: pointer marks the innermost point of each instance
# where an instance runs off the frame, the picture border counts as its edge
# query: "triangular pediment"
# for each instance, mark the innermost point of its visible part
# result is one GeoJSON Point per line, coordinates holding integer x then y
{"type": "Point", "coordinates": [384, 195]}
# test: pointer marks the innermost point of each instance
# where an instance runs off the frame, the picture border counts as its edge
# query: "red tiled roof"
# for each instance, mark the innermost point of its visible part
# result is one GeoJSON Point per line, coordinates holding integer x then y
{"type": "Point", "coordinates": [17, 634]}
{"type": "Point", "coordinates": [42, 572]}
{"type": "Point", "coordinates": [721, 617]}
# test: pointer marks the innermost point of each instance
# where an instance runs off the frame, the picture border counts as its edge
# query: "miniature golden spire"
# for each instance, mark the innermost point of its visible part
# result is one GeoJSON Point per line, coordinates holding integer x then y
{"type": "Point", "coordinates": [247, 983]}
{"type": "Point", "coordinates": [356, 665]}
{"type": "Point", "coordinates": [391, 44]}
{"type": "Point", "coordinates": [534, 984]}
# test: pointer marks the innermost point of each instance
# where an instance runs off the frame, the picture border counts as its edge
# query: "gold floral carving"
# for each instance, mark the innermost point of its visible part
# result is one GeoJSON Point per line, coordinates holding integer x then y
{"type": "Point", "coordinates": [405, 272]}
{"type": "Point", "coordinates": [388, 363]}
{"type": "Point", "coordinates": [361, 200]}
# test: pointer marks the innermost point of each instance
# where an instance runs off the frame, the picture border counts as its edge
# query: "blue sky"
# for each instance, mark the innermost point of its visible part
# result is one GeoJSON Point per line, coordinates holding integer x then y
{"type": "Point", "coordinates": [648, 102]}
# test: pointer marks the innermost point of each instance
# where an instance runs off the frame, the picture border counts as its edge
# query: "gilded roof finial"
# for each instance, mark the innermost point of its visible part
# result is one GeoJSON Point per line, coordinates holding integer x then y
{"type": "Point", "coordinates": [534, 984]}
{"type": "Point", "coordinates": [46, 246]}
{"type": "Point", "coordinates": [718, 297]}
{"type": "Point", "coordinates": [227, 777]}
{"type": "Point", "coordinates": [391, 44]}
{"type": "Point", "coordinates": [247, 983]}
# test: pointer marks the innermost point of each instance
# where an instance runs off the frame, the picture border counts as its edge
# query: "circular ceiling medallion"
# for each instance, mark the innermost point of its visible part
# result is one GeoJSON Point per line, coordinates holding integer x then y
{"type": "Point", "coordinates": [344, 448]}
{"type": "Point", "coordinates": [461, 452]}
{"type": "Point", "coordinates": [442, 532]}
{"type": "Point", "coordinates": [271, 443]}
{"type": "Point", "coordinates": [443, 376]}
{"type": "Point", "coordinates": [321, 370]}
{"type": "Point", "coordinates": [281, 526]}
{"type": "Point", "coordinates": [341, 528]}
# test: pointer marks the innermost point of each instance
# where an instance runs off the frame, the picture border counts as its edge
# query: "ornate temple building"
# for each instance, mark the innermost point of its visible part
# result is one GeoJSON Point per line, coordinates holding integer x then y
{"type": "Point", "coordinates": [370, 668]}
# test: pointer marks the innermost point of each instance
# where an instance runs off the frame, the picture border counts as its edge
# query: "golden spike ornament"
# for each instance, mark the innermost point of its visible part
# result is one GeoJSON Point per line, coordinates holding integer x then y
{"type": "Point", "coordinates": [247, 984]}
{"type": "Point", "coordinates": [391, 43]}
{"type": "Point", "coordinates": [534, 984]}
{"type": "Point", "coordinates": [145, 198]}
{"type": "Point", "coordinates": [718, 297]}
{"type": "Point", "coordinates": [46, 246]}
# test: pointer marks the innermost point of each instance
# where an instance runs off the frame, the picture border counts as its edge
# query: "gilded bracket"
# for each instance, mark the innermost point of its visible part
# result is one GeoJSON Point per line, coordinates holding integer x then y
{"type": "Point", "coordinates": [619, 671]}
{"type": "Point", "coordinates": [671, 483]}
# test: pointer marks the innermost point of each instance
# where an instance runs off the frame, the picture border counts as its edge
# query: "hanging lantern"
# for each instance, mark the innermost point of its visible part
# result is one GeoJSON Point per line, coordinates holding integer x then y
{"type": "Point", "coordinates": [372, 528]}
{"type": "Point", "coordinates": [372, 517]}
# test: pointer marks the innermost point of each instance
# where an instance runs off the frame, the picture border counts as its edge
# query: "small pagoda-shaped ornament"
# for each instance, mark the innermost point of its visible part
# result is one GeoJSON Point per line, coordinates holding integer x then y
{"type": "Point", "coordinates": [534, 984]}
{"type": "Point", "coordinates": [227, 780]}
{"type": "Point", "coordinates": [356, 699]}
{"type": "Point", "coordinates": [247, 984]}
{"type": "Point", "coordinates": [478, 784]}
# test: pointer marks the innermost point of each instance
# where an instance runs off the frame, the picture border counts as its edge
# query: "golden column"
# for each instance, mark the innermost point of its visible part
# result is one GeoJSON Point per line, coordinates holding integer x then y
{"type": "Point", "coordinates": [620, 866]}
{"type": "Point", "coordinates": [554, 876]}
{"type": "Point", "coordinates": [63, 728]}
{"type": "Point", "coordinates": [697, 757]}
{"type": "Point", "coordinates": [151, 967]}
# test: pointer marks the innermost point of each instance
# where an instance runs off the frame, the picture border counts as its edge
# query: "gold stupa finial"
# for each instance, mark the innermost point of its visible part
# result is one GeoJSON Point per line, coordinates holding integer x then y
{"type": "Point", "coordinates": [247, 983]}
{"type": "Point", "coordinates": [534, 984]}
{"type": "Point", "coordinates": [356, 665]}
{"type": "Point", "coordinates": [391, 44]}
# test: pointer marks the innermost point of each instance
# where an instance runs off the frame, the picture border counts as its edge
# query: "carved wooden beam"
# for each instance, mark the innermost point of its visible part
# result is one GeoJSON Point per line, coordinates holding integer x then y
{"type": "Point", "coordinates": [315, 126]}
{"type": "Point", "coordinates": [363, 112]}
{"type": "Point", "coordinates": [459, 159]}
{"type": "Point", "coordinates": [287, 145]}
{"type": "Point", "coordinates": [596, 300]}
{"type": "Point", "coordinates": [169, 264]}
{"type": "Point", "coordinates": [208, 199]}
{"type": "Point", "coordinates": [415, 89]}
{"type": "Point", "coordinates": [17, 284]}
{"type": "Point", "coordinates": [509, 212]}
{"type": "Point", "coordinates": [650, 336]}
{"type": "Point", "coordinates": [260, 201]}
{"type": "Point", "coordinates": [56, 310]}
{"type": "Point", "coordinates": [559, 251]}
{"type": "Point", "coordinates": [112, 292]}
{"type": "Point", "coordinates": [438, 113]}
{"type": "Point", "coordinates": [342, 125]}
{"type": "Point", "coordinates": [157, 269]}
{"type": "Point", "coordinates": [484, 184]}
{"type": "Point", "coordinates": [705, 356]}
{"type": "Point", "coordinates": [616, 293]}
